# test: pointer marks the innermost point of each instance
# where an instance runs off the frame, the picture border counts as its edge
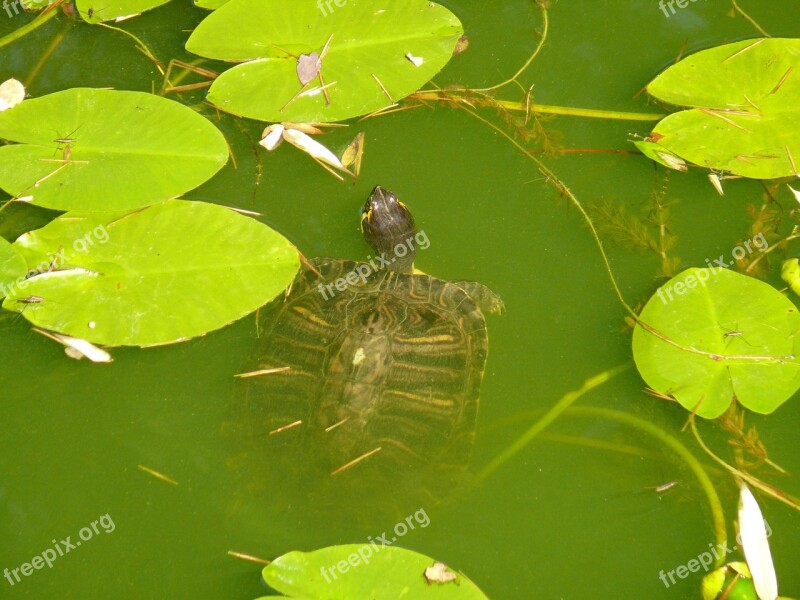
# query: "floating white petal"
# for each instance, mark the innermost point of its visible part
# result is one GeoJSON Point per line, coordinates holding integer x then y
{"type": "Point", "coordinates": [77, 348]}
{"type": "Point", "coordinates": [716, 182]}
{"type": "Point", "coordinates": [439, 573]}
{"type": "Point", "coordinates": [417, 61]}
{"type": "Point", "coordinates": [753, 536]}
{"type": "Point", "coordinates": [12, 92]}
{"type": "Point", "coordinates": [272, 136]}
{"type": "Point", "coordinates": [313, 148]}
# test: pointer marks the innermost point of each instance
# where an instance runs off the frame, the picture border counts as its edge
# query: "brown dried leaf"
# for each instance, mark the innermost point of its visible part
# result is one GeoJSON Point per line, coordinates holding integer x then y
{"type": "Point", "coordinates": [308, 67]}
{"type": "Point", "coordinates": [354, 153]}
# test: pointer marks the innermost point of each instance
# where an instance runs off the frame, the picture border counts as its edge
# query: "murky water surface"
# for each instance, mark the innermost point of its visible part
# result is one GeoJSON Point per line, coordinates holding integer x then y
{"type": "Point", "coordinates": [576, 514]}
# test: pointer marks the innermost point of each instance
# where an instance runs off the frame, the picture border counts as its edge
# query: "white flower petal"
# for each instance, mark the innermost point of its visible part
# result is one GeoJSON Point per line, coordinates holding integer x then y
{"type": "Point", "coordinates": [272, 136]}
{"type": "Point", "coordinates": [77, 348]}
{"type": "Point", "coordinates": [312, 148]}
{"type": "Point", "coordinates": [12, 92]}
{"type": "Point", "coordinates": [417, 61]}
{"type": "Point", "coordinates": [753, 536]}
{"type": "Point", "coordinates": [716, 182]}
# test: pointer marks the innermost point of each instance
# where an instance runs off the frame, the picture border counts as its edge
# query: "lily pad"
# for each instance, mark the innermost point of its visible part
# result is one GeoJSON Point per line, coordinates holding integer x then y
{"type": "Point", "coordinates": [164, 274]}
{"type": "Point", "coordinates": [363, 571]}
{"type": "Point", "coordinates": [209, 4]}
{"type": "Point", "coordinates": [745, 118]}
{"type": "Point", "coordinates": [99, 150]}
{"type": "Point", "coordinates": [716, 336]}
{"type": "Point", "coordinates": [97, 11]}
{"type": "Point", "coordinates": [13, 267]}
{"type": "Point", "coordinates": [365, 66]}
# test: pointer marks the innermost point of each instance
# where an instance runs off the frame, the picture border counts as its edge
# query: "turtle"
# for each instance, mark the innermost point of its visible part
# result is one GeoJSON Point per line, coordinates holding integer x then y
{"type": "Point", "coordinates": [370, 371]}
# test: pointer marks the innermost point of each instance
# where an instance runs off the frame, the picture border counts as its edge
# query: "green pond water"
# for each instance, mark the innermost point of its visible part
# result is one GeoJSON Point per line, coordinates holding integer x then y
{"type": "Point", "coordinates": [574, 514]}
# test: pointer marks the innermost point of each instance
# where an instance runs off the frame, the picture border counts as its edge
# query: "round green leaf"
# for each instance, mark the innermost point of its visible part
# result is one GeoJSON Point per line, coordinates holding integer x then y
{"type": "Point", "coordinates": [98, 150]}
{"type": "Point", "coordinates": [209, 4]}
{"type": "Point", "coordinates": [719, 336]}
{"type": "Point", "coordinates": [97, 11]}
{"type": "Point", "coordinates": [164, 274]}
{"type": "Point", "coordinates": [12, 267]}
{"type": "Point", "coordinates": [362, 571]}
{"type": "Point", "coordinates": [745, 117]}
{"type": "Point", "coordinates": [368, 65]}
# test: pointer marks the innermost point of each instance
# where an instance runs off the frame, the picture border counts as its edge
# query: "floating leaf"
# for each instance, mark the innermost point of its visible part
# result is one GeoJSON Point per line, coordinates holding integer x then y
{"type": "Point", "coordinates": [13, 267]}
{"type": "Point", "coordinates": [98, 150]}
{"type": "Point", "coordinates": [364, 69]}
{"type": "Point", "coordinates": [363, 571]}
{"type": "Point", "coordinates": [209, 4]}
{"type": "Point", "coordinates": [97, 11]}
{"type": "Point", "coordinates": [790, 273]}
{"type": "Point", "coordinates": [745, 118]}
{"type": "Point", "coordinates": [730, 582]}
{"type": "Point", "coordinates": [164, 274]}
{"type": "Point", "coordinates": [720, 336]}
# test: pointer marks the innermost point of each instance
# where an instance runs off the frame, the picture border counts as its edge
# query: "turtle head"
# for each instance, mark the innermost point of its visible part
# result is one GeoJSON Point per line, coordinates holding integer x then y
{"type": "Point", "coordinates": [389, 228]}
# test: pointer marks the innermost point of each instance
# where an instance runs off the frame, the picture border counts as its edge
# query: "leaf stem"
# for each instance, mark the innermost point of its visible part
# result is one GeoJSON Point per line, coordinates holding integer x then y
{"type": "Point", "coordinates": [780, 244]}
{"type": "Point", "coordinates": [523, 68]}
{"type": "Point", "coordinates": [591, 113]}
{"type": "Point", "coordinates": [141, 46]}
{"type": "Point", "coordinates": [47, 53]}
{"type": "Point", "coordinates": [717, 512]}
{"type": "Point", "coordinates": [47, 14]}
{"type": "Point", "coordinates": [551, 178]}
{"type": "Point", "coordinates": [774, 492]}
{"type": "Point", "coordinates": [750, 19]}
{"type": "Point", "coordinates": [551, 415]}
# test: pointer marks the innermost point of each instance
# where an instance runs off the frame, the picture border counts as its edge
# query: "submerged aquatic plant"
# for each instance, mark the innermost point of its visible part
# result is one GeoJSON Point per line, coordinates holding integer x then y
{"type": "Point", "coordinates": [310, 70]}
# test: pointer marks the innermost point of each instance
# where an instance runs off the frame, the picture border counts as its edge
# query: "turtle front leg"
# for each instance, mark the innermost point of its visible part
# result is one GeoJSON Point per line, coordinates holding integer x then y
{"type": "Point", "coordinates": [486, 299]}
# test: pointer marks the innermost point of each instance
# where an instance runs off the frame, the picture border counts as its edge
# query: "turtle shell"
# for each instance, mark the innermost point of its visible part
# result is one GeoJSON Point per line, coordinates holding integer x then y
{"type": "Point", "coordinates": [375, 379]}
